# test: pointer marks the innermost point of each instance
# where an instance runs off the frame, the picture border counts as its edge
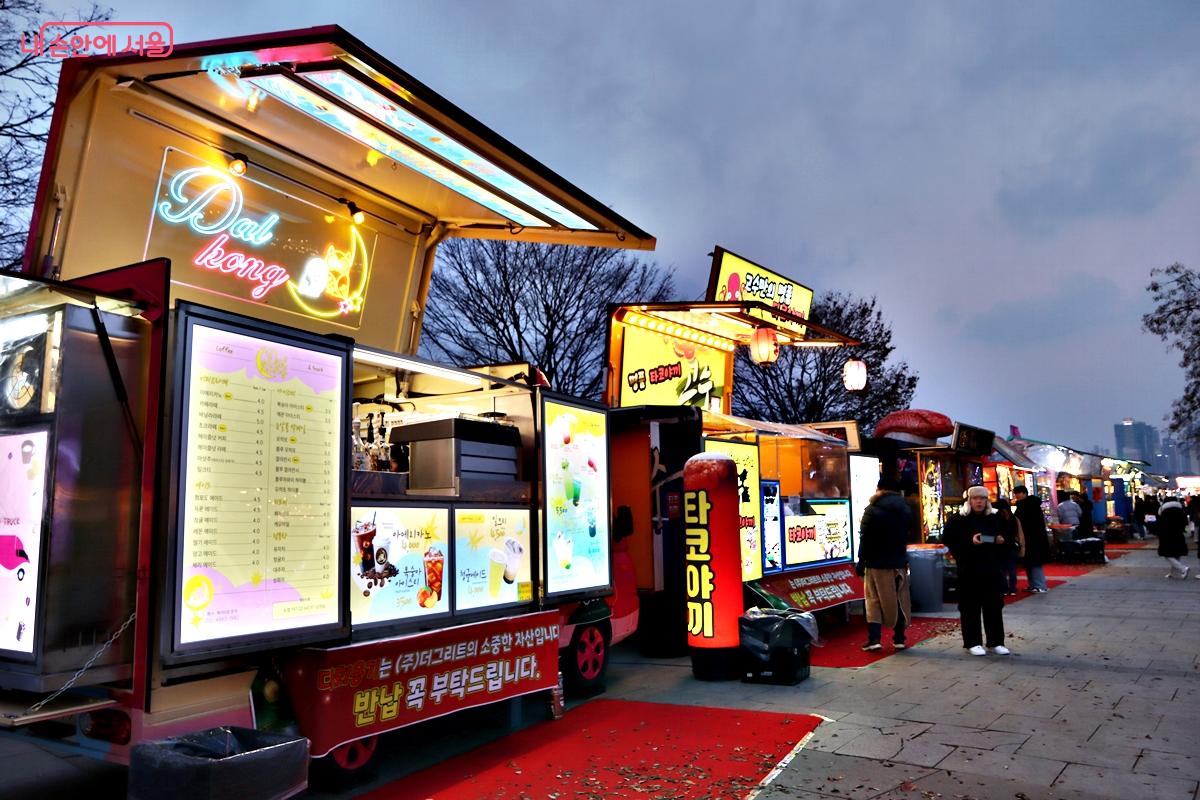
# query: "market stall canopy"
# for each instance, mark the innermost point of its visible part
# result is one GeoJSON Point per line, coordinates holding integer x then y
{"type": "Point", "coordinates": [326, 99]}
{"type": "Point", "coordinates": [1003, 452]}
{"type": "Point", "coordinates": [727, 423]}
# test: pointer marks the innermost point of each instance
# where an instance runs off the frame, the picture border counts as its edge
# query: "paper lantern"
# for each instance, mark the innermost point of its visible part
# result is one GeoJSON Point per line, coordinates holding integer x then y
{"type": "Point", "coordinates": [764, 346]}
{"type": "Point", "coordinates": [854, 375]}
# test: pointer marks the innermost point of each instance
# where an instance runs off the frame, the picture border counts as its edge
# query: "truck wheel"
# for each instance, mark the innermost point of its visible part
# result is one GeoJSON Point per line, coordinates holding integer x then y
{"type": "Point", "coordinates": [586, 660]}
{"type": "Point", "coordinates": [352, 758]}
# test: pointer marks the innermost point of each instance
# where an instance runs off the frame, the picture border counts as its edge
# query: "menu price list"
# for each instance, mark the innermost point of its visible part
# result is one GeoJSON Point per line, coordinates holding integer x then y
{"type": "Point", "coordinates": [261, 487]}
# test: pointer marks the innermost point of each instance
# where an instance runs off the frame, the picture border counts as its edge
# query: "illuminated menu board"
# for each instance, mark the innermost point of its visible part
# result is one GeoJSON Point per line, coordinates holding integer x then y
{"type": "Point", "coordinates": [492, 559]}
{"type": "Point", "coordinates": [260, 488]}
{"type": "Point", "coordinates": [815, 531]}
{"type": "Point", "coordinates": [577, 533]}
{"type": "Point", "coordinates": [397, 562]}
{"type": "Point", "coordinates": [22, 495]}
{"type": "Point", "coordinates": [745, 455]}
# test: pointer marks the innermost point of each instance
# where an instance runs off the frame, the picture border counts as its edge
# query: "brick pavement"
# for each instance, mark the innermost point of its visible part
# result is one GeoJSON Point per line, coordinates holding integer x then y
{"type": "Point", "coordinates": [1101, 699]}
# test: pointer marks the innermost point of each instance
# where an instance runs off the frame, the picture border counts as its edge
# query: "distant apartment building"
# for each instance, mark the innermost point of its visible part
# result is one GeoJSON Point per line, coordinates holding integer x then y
{"type": "Point", "coordinates": [1139, 442]}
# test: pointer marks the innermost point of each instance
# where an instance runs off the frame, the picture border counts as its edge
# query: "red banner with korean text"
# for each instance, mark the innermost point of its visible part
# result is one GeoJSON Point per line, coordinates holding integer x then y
{"type": "Point", "coordinates": [346, 693]}
{"type": "Point", "coordinates": [813, 589]}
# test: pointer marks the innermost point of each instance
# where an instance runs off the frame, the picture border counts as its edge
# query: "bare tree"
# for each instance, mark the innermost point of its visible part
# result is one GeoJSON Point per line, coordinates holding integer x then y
{"type": "Point", "coordinates": [28, 85]}
{"type": "Point", "coordinates": [495, 301]}
{"type": "Point", "coordinates": [1176, 320]}
{"type": "Point", "coordinates": [805, 384]}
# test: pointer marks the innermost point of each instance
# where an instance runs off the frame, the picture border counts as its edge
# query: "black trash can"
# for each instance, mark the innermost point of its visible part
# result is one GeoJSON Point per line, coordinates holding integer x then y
{"type": "Point", "coordinates": [220, 763]}
{"type": "Point", "coordinates": [926, 569]}
{"type": "Point", "coordinates": [775, 645]}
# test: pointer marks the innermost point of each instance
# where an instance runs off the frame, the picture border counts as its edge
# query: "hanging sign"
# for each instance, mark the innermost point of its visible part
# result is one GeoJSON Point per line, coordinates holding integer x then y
{"type": "Point", "coordinates": [243, 237]}
{"type": "Point", "coordinates": [735, 279]}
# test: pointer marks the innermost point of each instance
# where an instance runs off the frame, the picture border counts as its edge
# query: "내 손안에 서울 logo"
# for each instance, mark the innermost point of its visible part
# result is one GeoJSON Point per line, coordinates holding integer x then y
{"type": "Point", "coordinates": [106, 37]}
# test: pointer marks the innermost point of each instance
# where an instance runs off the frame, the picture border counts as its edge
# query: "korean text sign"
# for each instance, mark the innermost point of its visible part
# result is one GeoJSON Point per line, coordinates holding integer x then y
{"type": "Point", "coordinates": [817, 588]}
{"type": "Point", "coordinates": [712, 556]}
{"type": "Point", "coordinates": [398, 556]}
{"type": "Point", "coordinates": [657, 369]}
{"type": "Point", "coordinates": [745, 455]}
{"type": "Point", "coordinates": [736, 279]}
{"type": "Point", "coordinates": [347, 693]}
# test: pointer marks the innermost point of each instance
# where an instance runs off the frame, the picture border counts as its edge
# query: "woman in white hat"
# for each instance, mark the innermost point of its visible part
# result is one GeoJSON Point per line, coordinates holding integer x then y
{"type": "Point", "coordinates": [976, 540]}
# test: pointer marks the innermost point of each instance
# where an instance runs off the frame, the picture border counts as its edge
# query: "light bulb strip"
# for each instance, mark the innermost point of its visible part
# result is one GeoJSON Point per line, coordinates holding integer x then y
{"type": "Point", "coordinates": [678, 331]}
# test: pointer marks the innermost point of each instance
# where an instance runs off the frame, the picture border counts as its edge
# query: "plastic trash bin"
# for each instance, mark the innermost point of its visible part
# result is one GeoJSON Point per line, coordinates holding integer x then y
{"type": "Point", "coordinates": [925, 566]}
{"type": "Point", "coordinates": [774, 645]}
{"type": "Point", "coordinates": [220, 763]}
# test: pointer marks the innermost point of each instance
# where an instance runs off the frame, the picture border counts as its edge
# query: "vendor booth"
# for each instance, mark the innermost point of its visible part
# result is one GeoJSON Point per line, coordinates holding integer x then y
{"type": "Point", "coordinates": [670, 385]}
{"type": "Point", "coordinates": [227, 466]}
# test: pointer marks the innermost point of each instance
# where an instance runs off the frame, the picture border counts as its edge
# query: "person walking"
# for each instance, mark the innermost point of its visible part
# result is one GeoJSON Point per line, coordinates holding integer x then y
{"type": "Point", "coordinates": [883, 565]}
{"type": "Point", "coordinates": [1172, 520]}
{"type": "Point", "coordinates": [976, 540]}
{"type": "Point", "coordinates": [1014, 545]}
{"type": "Point", "coordinates": [1139, 516]}
{"type": "Point", "coordinates": [1037, 542]}
{"type": "Point", "coordinates": [1087, 523]}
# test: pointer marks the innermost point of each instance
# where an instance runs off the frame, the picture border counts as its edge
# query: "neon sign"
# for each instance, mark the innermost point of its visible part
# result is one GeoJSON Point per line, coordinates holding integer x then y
{"type": "Point", "coordinates": [254, 233]}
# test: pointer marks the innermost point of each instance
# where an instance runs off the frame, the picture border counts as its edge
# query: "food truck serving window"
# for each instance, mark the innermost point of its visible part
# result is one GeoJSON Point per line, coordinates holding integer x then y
{"type": "Point", "coordinates": [261, 485]}
{"type": "Point", "coordinates": [576, 543]}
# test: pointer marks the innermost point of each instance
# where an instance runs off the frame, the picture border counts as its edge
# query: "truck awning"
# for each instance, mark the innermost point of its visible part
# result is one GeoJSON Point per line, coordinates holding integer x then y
{"type": "Point", "coordinates": [325, 99]}
{"type": "Point", "coordinates": [727, 423]}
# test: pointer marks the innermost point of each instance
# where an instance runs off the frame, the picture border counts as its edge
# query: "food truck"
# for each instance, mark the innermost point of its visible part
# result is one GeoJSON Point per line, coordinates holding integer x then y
{"type": "Point", "coordinates": [224, 465]}
{"type": "Point", "coordinates": [670, 385]}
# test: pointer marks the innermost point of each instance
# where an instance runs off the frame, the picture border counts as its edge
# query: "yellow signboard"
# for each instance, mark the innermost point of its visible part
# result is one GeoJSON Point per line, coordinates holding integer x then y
{"type": "Point", "coordinates": [660, 370]}
{"type": "Point", "coordinates": [734, 279]}
{"type": "Point", "coordinates": [745, 455]}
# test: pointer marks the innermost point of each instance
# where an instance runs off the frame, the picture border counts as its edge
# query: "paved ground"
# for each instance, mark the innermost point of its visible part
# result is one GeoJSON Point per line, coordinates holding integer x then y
{"type": "Point", "coordinates": [1101, 699]}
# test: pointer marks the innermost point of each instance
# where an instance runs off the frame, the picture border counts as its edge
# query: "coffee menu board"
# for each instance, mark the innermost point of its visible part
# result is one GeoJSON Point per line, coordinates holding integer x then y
{"type": "Point", "coordinates": [576, 546]}
{"type": "Point", "coordinates": [261, 487]}
{"type": "Point", "coordinates": [397, 563]}
{"type": "Point", "coordinates": [22, 498]}
{"type": "Point", "coordinates": [492, 558]}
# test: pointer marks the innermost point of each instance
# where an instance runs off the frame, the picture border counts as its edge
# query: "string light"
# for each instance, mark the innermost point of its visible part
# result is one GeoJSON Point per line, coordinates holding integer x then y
{"type": "Point", "coordinates": [238, 164]}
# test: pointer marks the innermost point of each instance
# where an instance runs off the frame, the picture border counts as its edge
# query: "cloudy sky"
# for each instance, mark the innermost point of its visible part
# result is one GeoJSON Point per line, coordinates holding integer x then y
{"type": "Point", "coordinates": [1002, 175]}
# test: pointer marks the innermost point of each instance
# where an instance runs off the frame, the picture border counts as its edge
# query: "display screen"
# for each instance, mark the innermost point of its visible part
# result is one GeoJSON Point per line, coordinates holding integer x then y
{"type": "Point", "coordinates": [22, 498]}
{"type": "Point", "coordinates": [772, 527]}
{"type": "Point", "coordinates": [492, 558]}
{"type": "Point", "coordinates": [397, 560]}
{"type": "Point", "coordinates": [864, 479]}
{"type": "Point", "coordinates": [577, 532]}
{"type": "Point", "coordinates": [661, 370]}
{"type": "Point", "coordinates": [745, 455]}
{"type": "Point", "coordinates": [815, 531]}
{"type": "Point", "coordinates": [261, 487]}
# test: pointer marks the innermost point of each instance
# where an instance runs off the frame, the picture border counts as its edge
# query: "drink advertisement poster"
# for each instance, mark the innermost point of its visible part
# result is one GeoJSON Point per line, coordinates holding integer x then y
{"type": "Point", "coordinates": [260, 487]}
{"type": "Point", "coordinates": [577, 517]}
{"type": "Point", "coordinates": [398, 557]}
{"type": "Point", "coordinates": [745, 455]}
{"type": "Point", "coordinates": [492, 558]}
{"type": "Point", "coordinates": [22, 497]}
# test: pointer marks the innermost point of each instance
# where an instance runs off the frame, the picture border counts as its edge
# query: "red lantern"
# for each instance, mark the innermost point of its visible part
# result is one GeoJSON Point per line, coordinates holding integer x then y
{"type": "Point", "coordinates": [764, 346]}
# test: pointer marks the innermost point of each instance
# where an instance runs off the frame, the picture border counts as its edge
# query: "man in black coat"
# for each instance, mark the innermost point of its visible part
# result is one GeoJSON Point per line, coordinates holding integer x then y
{"type": "Point", "coordinates": [976, 540]}
{"type": "Point", "coordinates": [1028, 511]}
{"type": "Point", "coordinates": [883, 564]}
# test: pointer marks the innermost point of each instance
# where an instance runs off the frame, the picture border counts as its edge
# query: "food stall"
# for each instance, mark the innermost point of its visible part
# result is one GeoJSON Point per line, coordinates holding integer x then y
{"type": "Point", "coordinates": [670, 385]}
{"type": "Point", "coordinates": [239, 474]}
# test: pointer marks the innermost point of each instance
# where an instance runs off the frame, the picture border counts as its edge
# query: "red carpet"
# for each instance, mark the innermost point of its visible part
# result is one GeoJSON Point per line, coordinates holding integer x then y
{"type": "Point", "coordinates": [843, 643]}
{"type": "Point", "coordinates": [616, 748]}
{"type": "Point", "coordinates": [1127, 546]}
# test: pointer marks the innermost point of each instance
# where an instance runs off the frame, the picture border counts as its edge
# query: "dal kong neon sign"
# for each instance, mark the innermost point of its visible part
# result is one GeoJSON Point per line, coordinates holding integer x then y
{"type": "Point", "coordinates": [210, 202]}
